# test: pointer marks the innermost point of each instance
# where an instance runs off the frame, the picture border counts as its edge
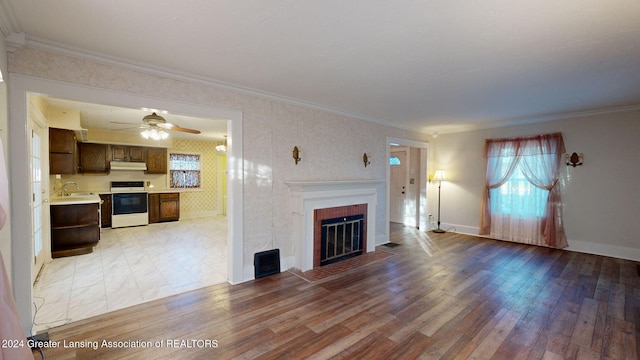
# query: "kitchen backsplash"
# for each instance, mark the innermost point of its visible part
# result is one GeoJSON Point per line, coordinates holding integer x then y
{"type": "Point", "coordinates": [102, 183]}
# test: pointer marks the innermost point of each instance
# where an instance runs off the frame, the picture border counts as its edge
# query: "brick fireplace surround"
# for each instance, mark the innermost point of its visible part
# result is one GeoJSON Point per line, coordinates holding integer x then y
{"type": "Point", "coordinates": [332, 213]}
{"type": "Point", "coordinates": [308, 196]}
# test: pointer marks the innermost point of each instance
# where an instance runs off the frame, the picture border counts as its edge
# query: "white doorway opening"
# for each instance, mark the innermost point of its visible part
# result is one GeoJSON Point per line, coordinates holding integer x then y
{"type": "Point", "coordinates": [21, 88]}
{"type": "Point", "coordinates": [415, 209]}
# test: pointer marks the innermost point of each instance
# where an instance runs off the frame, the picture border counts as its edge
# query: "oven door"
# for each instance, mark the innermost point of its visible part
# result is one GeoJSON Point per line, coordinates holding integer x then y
{"type": "Point", "coordinates": [129, 203]}
{"type": "Point", "coordinates": [129, 209]}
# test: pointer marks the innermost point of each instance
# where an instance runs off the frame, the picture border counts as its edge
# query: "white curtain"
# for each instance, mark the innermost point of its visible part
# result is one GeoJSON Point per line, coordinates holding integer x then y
{"type": "Point", "coordinates": [522, 199]}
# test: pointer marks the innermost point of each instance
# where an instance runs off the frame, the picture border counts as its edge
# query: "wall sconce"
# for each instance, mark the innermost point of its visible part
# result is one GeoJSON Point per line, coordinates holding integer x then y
{"type": "Point", "coordinates": [297, 154]}
{"type": "Point", "coordinates": [574, 160]}
{"type": "Point", "coordinates": [366, 159]}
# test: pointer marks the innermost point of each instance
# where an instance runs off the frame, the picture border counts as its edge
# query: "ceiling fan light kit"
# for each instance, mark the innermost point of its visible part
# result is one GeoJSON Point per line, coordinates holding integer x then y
{"type": "Point", "coordinates": [154, 134]}
{"type": "Point", "coordinates": [156, 125]}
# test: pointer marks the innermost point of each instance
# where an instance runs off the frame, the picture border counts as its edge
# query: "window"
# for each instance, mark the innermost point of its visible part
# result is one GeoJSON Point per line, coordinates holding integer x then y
{"type": "Point", "coordinates": [522, 198]}
{"type": "Point", "coordinates": [517, 196]}
{"type": "Point", "coordinates": [393, 160]}
{"type": "Point", "coordinates": [184, 171]}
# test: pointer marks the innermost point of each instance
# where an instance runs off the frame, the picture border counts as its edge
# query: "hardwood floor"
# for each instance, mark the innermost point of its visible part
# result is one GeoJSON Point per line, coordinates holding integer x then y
{"type": "Point", "coordinates": [446, 296]}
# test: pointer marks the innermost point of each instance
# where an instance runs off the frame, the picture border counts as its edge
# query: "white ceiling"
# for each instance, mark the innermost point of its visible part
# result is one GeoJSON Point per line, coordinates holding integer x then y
{"type": "Point", "coordinates": [104, 117]}
{"type": "Point", "coordinates": [436, 65]}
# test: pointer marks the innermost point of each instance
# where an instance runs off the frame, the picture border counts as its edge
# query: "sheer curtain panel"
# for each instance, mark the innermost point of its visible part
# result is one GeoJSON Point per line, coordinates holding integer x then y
{"type": "Point", "coordinates": [522, 197]}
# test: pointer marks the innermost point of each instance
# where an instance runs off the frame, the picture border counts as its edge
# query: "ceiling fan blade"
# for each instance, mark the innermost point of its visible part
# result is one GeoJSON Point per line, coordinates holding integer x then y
{"type": "Point", "coordinates": [128, 128]}
{"type": "Point", "coordinates": [190, 131]}
{"type": "Point", "coordinates": [175, 127]}
{"type": "Point", "coordinates": [120, 122]}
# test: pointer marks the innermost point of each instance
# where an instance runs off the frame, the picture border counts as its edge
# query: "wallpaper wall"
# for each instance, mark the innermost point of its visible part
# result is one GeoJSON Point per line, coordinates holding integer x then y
{"type": "Point", "coordinates": [200, 202]}
{"type": "Point", "coordinates": [332, 143]}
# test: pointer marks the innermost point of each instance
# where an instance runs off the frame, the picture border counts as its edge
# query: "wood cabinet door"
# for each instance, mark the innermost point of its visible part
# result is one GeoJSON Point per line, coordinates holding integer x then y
{"type": "Point", "coordinates": [62, 151]}
{"type": "Point", "coordinates": [154, 208]}
{"type": "Point", "coordinates": [62, 141]}
{"type": "Point", "coordinates": [106, 210]}
{"type": "Point", "coordinates": [156, 161]}
{"type": "Point", "coordinates": [62, 164]}
{"type": "Point", "coordinates": [169, 206]}
{"type": "Point", "coordinates": [118, 153]}
{"type": "Point", "coordinates": [128, 153]}
{"type": "Point", "coordinates": [93, 158]}
{"type": "Point", "coordinates": [137, 153]}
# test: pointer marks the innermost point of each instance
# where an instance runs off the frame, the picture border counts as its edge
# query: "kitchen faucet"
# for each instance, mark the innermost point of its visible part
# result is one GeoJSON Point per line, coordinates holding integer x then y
{"type": "Point", "coordinates": [63, 193]}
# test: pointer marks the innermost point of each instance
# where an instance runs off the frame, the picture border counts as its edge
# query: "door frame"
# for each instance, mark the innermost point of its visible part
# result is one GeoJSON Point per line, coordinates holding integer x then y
{"type": "Point", "coordinates": [21, 87]}
{"type": "Point", "coordinates": [407, 167]}
{"type": "Point", "coordinates": [423, 212]}
{"type": "Point", "coordinates": [37, 120]}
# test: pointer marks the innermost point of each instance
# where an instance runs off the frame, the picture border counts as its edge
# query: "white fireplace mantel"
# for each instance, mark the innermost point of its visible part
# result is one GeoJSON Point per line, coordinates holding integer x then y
{"type": "Point", "coordinates": [307, 196]}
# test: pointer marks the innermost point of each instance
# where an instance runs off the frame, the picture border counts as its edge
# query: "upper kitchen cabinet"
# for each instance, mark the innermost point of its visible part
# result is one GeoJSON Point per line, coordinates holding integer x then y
{"type": "Point", "coordinates": [156, 160]}
{"type": "Point", "coordinates": [127, 153]}
{"type": "Point", "coordinates": [62, 151]}
{"type": "Point", "coordinates": [94, 158]}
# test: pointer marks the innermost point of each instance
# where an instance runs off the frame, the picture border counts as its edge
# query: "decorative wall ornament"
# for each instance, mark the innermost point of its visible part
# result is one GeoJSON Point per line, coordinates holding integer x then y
{"type": "Point", "coordinates": [297, 154]}
{"type": "Point", "coordinates": [366, 159]}
{"type": "Point", "coordinates": [574, 159]}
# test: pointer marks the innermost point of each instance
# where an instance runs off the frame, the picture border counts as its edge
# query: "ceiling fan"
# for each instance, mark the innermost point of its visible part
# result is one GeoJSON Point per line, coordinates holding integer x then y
{"type": "Point", "coordinates": [155, 126]}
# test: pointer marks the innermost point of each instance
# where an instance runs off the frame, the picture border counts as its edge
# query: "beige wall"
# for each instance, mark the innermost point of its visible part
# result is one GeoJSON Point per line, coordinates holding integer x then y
{"type": "Point", "coordinates": [602, 197]}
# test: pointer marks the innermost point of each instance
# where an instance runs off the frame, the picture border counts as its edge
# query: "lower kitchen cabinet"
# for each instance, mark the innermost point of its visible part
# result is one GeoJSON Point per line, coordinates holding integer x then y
{"type": "Point", "coordinates": [75, 229]}
{"type": "Point", "coordinates": [105, 210]}
{"type": "Point", "coordinates": [164, 207]}
{"type": "Point", "coordinates": [154, 208]}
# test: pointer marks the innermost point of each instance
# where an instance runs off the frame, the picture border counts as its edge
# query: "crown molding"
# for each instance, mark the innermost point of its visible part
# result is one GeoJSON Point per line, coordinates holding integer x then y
{"type": "Point", "coordinates": [530, 119]}
{"type": "Point", "coordinates": [15, 41]}
{"type": "Point", "coordinates": [101, 58]}
{"type": "Point", "coordinates": [8, 21]}
{"type": "Point", "coordinates": [18, 40]}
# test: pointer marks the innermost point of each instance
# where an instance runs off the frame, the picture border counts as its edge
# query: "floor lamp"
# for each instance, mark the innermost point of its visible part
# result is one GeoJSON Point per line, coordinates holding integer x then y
{"type": "Point", "coordinates": [439, 177]}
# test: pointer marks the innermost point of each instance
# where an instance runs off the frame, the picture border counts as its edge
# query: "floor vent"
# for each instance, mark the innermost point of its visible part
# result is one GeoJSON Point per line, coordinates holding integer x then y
{"type": "Point", "coordinates": [266, 263]}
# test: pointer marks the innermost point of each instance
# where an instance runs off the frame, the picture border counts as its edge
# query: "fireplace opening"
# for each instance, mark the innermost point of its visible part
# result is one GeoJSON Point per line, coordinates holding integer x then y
{"type": "Point", "coordinates": [341, 238]}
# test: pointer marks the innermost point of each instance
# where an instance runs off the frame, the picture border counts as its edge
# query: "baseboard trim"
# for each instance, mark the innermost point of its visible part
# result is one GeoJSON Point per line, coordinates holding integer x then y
{"type": "Point", "coordinates": [620, 252]}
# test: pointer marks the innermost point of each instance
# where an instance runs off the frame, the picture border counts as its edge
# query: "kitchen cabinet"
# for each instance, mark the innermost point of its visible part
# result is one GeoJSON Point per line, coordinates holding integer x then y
{"type": "Point", "coordinates": [169, 206]}
{"type": "Point", "coordinates": [156, 160]}
{"type": "Point", "coordinates": [74, 229]}
{"type": "Point", "coordinates": [164, 207]}
{"type": "Point", "coordinates": [105, 210]}
{"type": "Point", "coordinates": [62, 151]}
{"type": "Point", "coordinates": [94, 158]}
{"type": "Point", "coordinates": [128, 153]}
{"type": "Point", "coordinates": [154, 208]}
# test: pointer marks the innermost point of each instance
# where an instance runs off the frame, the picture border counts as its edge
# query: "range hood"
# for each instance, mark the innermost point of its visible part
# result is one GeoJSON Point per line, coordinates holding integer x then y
{"type": "Point", "coordinates": [128, 165]}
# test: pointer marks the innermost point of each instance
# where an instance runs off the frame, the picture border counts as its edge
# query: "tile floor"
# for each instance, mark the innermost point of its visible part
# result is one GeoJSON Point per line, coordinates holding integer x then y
{"type": "Point", "coordinates": [131, 266]}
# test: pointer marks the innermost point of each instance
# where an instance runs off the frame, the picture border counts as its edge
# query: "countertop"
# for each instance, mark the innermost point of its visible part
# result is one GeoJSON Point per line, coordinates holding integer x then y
{"type": "Point", "coordinates": [92, 197]}
{"type": "Point", "coordinates": [150, 191]}
{"type": "Point", "coordinates": [75, 199]}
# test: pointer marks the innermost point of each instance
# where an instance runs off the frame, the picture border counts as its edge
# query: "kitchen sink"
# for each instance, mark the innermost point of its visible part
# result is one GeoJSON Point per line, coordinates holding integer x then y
{"type": "Point", "coordinates": [81, 194]}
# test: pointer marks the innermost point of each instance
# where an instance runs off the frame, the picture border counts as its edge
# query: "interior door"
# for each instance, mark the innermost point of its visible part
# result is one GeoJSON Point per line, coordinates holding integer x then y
{"type": "Point", "coordinates": [398, 186]}
{"type": "Point", "coordinates": [40, 196]}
